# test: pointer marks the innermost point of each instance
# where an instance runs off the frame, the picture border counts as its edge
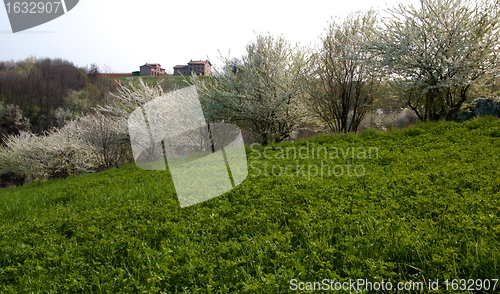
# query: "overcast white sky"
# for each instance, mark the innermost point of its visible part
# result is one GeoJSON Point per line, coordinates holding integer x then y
{"type": "Point", "coordinates": [121, 35]}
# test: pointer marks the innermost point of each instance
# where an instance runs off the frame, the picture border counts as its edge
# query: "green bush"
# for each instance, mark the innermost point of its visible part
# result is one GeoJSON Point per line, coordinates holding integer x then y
{"type": "Point", "coordinates": [480, 107]}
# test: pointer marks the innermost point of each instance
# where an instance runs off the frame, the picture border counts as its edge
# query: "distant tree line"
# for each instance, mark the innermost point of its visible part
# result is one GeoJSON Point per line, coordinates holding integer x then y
{"type": "Point", "coordinates": [36, 88]}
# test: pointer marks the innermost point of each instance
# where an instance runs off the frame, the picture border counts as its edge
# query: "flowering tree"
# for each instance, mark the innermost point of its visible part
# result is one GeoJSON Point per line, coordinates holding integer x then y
{"type": "Point", "coordinates": [438, 51]}
{"type": "Point", "coordinates": [262, 93]}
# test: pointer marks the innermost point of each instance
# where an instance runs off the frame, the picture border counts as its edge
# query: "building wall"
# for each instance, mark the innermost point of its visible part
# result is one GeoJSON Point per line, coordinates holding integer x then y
{"type": "Point", "coordinates": [207, 69]}
{"type": "Point", "coordinates": [182, 71]}
{"type": "Point", "coordinates": [150, 70]}
{"type": "Point", "coordinates": [200, 68]}
{"type": "Point", "coordinates": [145, 71]}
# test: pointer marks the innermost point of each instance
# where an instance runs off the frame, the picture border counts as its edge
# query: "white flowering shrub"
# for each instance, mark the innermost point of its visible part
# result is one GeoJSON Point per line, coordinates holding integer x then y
{"type": "Point", "coordinates": [56, 154]}
{"type": "Point", "coordinates": [129, 97]}
{"type": "Point", "coordinates": [17, 157]}
{"type": "Point", "coordinates": [106, 137]}
{"type": "Point", "coordinates": [63, 116]}
{"type": "Point", "coordinates": [12, 120]}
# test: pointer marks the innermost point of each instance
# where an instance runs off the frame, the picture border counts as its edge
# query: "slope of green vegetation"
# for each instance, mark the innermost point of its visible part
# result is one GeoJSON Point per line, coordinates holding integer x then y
{"type": "Point", "coordinates": [424, 206]}
{"type": "Point", "coordinates": [170, 81]}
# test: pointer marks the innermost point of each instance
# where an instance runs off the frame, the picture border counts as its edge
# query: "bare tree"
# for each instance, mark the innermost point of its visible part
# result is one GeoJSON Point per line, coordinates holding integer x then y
{"type": "Point", "coordinates": [438, 51]}
{"type": "Point", "coordinates": [93, 72]}
{"type": "Point", "coordinates": [341, 82]}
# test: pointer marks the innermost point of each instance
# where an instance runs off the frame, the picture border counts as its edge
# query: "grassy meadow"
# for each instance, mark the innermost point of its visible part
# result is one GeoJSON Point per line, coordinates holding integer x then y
{"type": "Point", "coordinates": [424, 207]}
{"type": "Point", "coordinates": [170, 81]}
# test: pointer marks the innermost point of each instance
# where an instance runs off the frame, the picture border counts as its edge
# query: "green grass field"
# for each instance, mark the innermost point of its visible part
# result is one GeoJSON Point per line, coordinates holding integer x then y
{"type": "Point", "coordinates": [171, 82]}
{"type": "Point", "coordinates": [425, 206]}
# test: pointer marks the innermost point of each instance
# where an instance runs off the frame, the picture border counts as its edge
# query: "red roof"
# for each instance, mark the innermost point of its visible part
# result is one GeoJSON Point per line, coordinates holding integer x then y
{"type": "Point", "coordinates": [180, 66]}
{"type": "Point", "coordinates": [199, 62]}
{"type": "Point", "coordinates": [151, 65]}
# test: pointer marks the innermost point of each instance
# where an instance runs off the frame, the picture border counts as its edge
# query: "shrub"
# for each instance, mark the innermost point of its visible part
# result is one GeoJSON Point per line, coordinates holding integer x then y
{"type": "Point", "coordinates": [12, 120]}
{"type": "Point", "coordinates": [63, 116]}
{"type": "Point", "coordinates": [107, 136]}
{"type": "Point", "coordinates": [385, 119]}
{"type": "Point", "coordinates": [55, 154]}
{"type": "Point", "coordinates": [480, 107]}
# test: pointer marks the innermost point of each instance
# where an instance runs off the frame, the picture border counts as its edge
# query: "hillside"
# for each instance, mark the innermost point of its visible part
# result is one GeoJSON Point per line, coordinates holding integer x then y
{"type": "Point", "coordinates": [169, 81]}
{"type": "Point", "coordinates": [416, 204]}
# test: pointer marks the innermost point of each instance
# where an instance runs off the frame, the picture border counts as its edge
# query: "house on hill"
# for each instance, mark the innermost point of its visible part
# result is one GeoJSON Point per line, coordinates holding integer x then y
{"type": "Point", "coordinates": [151, 69]}
{"type": "Point", "coordinates": [200, 68]}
